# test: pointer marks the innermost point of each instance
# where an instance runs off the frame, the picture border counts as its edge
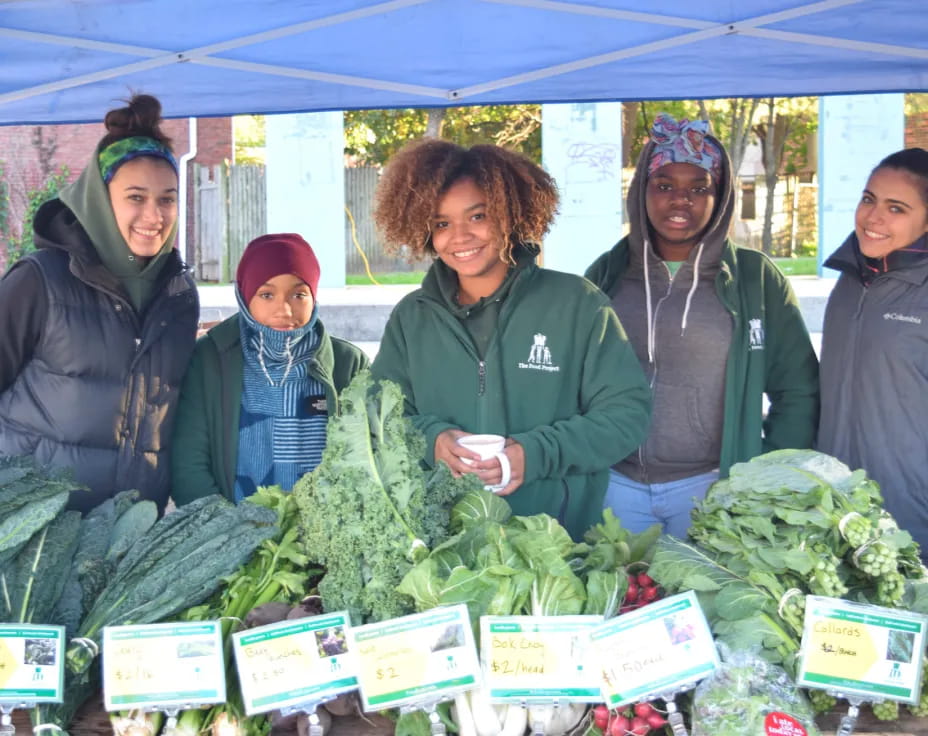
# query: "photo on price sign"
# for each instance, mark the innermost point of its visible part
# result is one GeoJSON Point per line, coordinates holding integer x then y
{"type": "Point", "coordinates": [899, 646]}
{"type": "Point", "coordinates": [40, 652]}
{"type": "Point", "coordinates": [195, 648]}
{"type": "Point", "coordinates": [451, 638]}
{"type": "Point", "coordinates": [331, 642]}
{"type": "Point", "coordinates": [680, 632]}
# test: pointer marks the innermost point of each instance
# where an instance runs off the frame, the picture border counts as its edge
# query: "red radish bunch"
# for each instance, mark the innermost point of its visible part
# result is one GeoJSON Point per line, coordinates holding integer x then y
{"type": "Point", "coordinates": [640, 720]}
{"type": "Point", "coordinates": [642, 590]}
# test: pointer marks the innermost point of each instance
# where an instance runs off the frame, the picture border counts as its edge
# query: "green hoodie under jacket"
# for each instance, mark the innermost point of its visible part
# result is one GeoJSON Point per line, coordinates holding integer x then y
{"type": "Point", "coordinates": [770, 353]}
{"type": "Point", "coordinates": [205, 449]}
{"type": "Point", "coordinates": [558, 376]}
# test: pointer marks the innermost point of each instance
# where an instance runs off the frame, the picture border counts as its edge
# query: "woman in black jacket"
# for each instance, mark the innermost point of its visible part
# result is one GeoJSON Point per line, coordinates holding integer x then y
{"type": "Point", "coordinates": [97, 326]}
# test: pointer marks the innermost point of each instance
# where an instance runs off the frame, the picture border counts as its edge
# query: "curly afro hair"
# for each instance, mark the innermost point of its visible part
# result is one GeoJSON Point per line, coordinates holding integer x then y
{"type": "Point", "coordinates": [522, 198]}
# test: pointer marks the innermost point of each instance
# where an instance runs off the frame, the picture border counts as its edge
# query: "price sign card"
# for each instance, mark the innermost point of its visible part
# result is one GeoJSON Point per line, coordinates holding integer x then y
{"type": "Point", "coordinates": [538, 658]}
{"type": "Point", "coordinates": [163, 665]}
{"type": "Point", "coordinates": [31, 667]}
{"type": "Point", "coordinates": [293, 662]}
{"type": "Point", "coordinates": [862, 650]}
{"type": "Point", "coordinates": [662, 648]}
{"type": "Point", "coordinates": [426, 656]}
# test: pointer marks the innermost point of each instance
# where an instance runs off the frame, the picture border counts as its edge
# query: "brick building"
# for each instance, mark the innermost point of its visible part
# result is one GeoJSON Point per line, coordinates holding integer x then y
{"type": "Point", "coordinates": [916, 131]}
{"type": "Point", "coordinates": [29, 154]}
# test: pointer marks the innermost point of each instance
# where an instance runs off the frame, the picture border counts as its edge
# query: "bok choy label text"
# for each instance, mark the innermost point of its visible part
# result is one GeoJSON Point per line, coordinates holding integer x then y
{"type": "Point", "coordinates": [163, 665]}
{"type": "Point", "coordinates": [414, 659]}
{"type": "Point", "coordinates": [663, 648]}
{"type": "Point", "coordinates": [868, 651]}
{"type": "Point", "coordinates": [538, 658]}
{"type": "Point", "coordinates": [295, 662]}
{"type": "Point", "coordinates": [31, 669]}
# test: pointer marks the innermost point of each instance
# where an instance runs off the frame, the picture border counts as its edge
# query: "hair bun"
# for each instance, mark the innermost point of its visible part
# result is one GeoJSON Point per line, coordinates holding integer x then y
{"type": "Point", "coordinates": [141, 117]}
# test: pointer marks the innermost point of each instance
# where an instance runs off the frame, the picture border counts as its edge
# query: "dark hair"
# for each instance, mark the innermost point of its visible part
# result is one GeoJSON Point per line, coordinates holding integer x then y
{"type": "Point", "coordinates": [141, 116]}
{"type": "Point", "coordinates": [522, 197]}
{"type": "Point", "coordinates": [913, 161]}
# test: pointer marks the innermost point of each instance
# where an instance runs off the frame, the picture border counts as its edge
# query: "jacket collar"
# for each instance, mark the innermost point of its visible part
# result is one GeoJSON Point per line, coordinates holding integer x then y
{"type": "Point", "coordinates": [908, 264]}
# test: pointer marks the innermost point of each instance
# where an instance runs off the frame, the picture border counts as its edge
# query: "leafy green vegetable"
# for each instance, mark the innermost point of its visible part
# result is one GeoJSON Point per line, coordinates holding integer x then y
{"type": "Point", "coordinates": [368, 510]}
{"type": "Point", "coordinates": [784, 525]}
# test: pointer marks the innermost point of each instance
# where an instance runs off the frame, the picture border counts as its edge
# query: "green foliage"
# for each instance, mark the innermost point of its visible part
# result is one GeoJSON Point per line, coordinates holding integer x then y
{"type": "Point", "coordinates": [503, 565]}
{"type": "Point", "coordinates": [369, 511]}
{"type": "Point", "coordinates": [373, 136]}
{"type": "Point", "coordinates": [785, 525]}
{"type": "Point", "coordinates": [4, 204]}
{"type": "Point", "coordinates": [248, 136]}
{"type": "Point", "coordinates": [17, 247]}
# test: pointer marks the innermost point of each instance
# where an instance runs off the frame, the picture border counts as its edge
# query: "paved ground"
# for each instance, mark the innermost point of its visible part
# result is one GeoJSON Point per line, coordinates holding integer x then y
{"type": "Point", "coordinates": [359, 313]}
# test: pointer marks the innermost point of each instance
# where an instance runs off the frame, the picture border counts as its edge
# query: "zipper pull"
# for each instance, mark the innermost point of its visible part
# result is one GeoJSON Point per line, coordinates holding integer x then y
{"type": "Point", "coordinates": [482, 378]}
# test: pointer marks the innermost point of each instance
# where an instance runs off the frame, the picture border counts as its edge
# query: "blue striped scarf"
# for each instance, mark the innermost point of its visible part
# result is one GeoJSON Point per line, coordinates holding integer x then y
{"type": "Point", "coordinates": [278, 439]}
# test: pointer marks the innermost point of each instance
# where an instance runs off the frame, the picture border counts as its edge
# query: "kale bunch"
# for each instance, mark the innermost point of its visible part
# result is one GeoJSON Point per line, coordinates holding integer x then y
{"type": "Point", "coordinates": [369, 510]}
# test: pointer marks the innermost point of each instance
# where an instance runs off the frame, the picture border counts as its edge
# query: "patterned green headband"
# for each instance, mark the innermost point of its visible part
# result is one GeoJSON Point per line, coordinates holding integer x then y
{"type": "Point", "coordinates": [126, 149]}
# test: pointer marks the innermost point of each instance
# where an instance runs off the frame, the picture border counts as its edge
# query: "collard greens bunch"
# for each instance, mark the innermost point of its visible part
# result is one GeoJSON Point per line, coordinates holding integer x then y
{"type": "Point", "coordinates": [369, 510]}
{"type": "Point", "coordinates": [787, 524]}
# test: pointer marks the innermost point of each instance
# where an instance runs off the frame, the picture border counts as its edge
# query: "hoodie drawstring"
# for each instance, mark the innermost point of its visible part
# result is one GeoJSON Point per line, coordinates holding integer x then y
{"type": "Point", "coordinates": [689, 297]}
{"type": "Point", "coordinates": [652, 327]}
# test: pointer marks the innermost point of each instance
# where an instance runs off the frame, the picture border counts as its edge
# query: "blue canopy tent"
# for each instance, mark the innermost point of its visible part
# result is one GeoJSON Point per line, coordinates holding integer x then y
{"type": "Point", "coordinates": [69, 60]}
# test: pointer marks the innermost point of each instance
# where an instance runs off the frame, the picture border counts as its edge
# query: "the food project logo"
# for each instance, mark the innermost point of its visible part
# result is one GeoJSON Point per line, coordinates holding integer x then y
{"type": "Point", "coordinates": [755, 334]}
{"type": "Point", "coordinates": [539, 356]}
{"type": "Point", "coordinates": [896, 317]}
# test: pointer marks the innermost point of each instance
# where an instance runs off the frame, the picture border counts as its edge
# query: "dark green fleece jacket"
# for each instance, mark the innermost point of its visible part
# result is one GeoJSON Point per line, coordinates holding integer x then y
{"type": "Point", "coordinates": [205, 450]}
{"type": "Point", "coordinates": [770, 353]}
{"type": "Point", "coordinates": [558, 376]}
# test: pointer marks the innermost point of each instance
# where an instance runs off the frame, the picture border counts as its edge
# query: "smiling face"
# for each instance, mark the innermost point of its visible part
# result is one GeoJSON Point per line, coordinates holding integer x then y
{"type": "Point", "coordinates": [283, 302]}
{"type": "Point", "coordinates": [466, 240]}
{"type": "Point", "coordinates": [143, 194]}
{"type": "Point", "coordinates": [892, 213]}
{"type": "Point", "coordinates": [680, 199]}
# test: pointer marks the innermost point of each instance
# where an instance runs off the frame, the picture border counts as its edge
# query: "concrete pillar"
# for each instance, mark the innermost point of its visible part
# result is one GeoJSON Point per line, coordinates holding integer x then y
{"type": "Point", "coordinates": [306, 185]}
{"type": "Point", "coordinates": [581, 147]}
{"type": "Point", "coordinates": [854, 133]}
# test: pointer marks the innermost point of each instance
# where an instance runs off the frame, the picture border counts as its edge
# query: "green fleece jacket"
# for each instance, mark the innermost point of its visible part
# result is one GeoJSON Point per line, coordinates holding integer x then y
{"type": "Point", "coordinates": [558, 377]}
{"type": "Point", "coordinates": [205, 440]}
{"type": "Point", "coordinates": [770, 353]}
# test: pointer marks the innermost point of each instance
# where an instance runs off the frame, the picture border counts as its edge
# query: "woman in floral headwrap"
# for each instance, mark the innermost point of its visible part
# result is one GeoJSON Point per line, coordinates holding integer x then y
{"type": "Point", "coordinates": [716, 328]}
{"type": "Point", "coordinates": [97, 326]}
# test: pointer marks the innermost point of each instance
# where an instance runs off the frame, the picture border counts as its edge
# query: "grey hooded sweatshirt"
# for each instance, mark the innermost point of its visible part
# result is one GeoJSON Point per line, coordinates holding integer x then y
{"type": "Point", "coordinates": [681, 333]}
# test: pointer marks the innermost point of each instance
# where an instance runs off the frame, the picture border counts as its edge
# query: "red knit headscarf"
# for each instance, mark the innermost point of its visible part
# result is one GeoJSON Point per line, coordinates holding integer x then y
{"type": "Point", "coordinates": [273, 255]}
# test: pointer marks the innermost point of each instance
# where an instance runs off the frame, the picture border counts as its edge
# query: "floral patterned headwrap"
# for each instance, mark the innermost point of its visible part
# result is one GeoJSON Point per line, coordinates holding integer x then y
{"type": "Point", "coordinates": [126, 149]}
{"type": "Point", "coordinates": [683, 142]}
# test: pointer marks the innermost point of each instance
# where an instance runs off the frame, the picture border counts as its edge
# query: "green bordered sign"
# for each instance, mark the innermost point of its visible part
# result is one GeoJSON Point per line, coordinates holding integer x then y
{"type": "Point", "coordinates": [662, 648]}
{"type": "Point", "coordinates": [872, 652]}
{"type": "Point", "coordinates": [294, 662]}
{"type": "Point", "coordinates": [538, 658]}
{"type": "Point", "coordinates": [160, 666]}
{"type": "Point", "coordinates": [31, 668]}
{"type": "Point", "coordinates": [415, 659]}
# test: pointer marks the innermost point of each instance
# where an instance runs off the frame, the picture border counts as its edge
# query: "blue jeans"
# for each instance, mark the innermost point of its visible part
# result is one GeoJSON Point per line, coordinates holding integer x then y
{"type": "Point", "coordinates": [639, 505]}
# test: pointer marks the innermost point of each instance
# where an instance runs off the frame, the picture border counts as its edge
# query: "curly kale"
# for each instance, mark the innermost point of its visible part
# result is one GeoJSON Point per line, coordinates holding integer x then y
{"type": "Point", "coordinates": [369, 510]}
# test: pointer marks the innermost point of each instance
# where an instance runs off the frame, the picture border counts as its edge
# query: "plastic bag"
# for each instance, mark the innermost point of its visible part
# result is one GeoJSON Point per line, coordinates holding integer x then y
{"type": "Point", "coordinates": [748, 696]}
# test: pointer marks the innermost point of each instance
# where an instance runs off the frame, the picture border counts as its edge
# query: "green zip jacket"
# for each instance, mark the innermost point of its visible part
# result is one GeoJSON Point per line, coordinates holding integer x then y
{"type": "Point", "coordinates": [205, 449]}
{"type": "Point", "coordinates": [558, 377]}
{"type": "Point", "coordinates": [770, 353]}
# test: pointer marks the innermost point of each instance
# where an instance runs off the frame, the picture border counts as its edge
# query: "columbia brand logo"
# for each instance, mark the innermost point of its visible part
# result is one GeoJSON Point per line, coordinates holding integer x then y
{"type": "Point", "coordinates": [755, 334]}
{"type": "Point", "coordinates": [896, 317]}
{"type": "Point", "coordinates": [539, 356]}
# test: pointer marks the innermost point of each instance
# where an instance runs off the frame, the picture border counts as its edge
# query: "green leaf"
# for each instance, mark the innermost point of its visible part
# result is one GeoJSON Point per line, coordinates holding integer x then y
{"type": "Point", "coordinates": [739, 600]}
{"type": "Point", "coordinates": [478, 506]}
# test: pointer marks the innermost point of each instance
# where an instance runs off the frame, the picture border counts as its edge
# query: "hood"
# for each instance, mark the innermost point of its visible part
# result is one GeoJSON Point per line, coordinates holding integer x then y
{"type": "Point", "coordinates": [88, 198]}
{"type": "Point", "coordinates": [705, 258]}
{"type": "Point", "coordinates": [715, 235]}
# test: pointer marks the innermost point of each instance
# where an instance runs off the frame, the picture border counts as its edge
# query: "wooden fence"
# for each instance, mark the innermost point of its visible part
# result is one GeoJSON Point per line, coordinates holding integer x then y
{"type": "Point", "coordinates": [230, 211]}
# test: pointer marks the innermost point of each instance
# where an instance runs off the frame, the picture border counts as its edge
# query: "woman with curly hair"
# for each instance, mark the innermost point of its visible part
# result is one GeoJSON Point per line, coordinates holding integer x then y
{"type": "Point", "coordinates": [98, 325]}
{"type": "Point", "coordinates": [492, 343]}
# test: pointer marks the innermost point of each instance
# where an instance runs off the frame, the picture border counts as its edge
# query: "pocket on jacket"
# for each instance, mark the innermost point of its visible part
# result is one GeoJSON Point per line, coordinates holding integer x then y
{"type": "Point", "coordinates": [678, 435]}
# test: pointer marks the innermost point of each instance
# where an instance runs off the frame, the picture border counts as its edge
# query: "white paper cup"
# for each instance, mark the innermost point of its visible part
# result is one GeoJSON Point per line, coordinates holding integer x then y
{"type": "Point", "coordinates": [487, 446]}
